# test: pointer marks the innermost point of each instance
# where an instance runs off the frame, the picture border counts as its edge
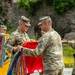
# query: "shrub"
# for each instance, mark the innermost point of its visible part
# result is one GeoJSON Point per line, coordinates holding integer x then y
{"type": "Point", "coordinates": [68, 62]}
{"type": "Point", "coordinates": [68, 52]}
{"type": "Point", "coordinates": [60, 6]}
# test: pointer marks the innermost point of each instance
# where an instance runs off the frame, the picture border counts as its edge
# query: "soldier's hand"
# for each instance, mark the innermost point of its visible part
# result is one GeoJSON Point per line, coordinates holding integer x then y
{"type": "Point", "coordinates": [15, 49]}
{"type": "Point", "coordinates": [20, 48]}
{"type": "Point", "coordinates": [32, 40]}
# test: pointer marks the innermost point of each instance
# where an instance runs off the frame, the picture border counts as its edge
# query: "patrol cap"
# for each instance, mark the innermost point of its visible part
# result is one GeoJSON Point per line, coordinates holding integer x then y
{"type": "Point", "coordinates": [3, 27]}
{"type": "Point", "coordinates": [25, 20]}
{"type": "Point", "coordinates": [44, 19]}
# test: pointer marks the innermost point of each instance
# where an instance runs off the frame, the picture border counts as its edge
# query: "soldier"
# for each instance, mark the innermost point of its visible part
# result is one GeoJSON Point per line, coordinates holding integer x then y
{"type": "Point", "coordinates": [3, 29]}
{"type": "Point", "coordinates": [50, 46]}
{"type": "Point", "coordinates": [19, 36]}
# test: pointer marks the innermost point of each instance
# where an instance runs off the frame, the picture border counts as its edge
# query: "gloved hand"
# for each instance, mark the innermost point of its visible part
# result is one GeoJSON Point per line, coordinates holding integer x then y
{"type": "Point", "coordinates": [15, 49]}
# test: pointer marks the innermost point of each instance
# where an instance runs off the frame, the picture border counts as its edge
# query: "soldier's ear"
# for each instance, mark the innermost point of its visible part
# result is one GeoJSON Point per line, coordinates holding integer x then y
{"type": "Point", "coordinates": [46, 23]}
{"type": "Point", "coordinates": [20, 23]}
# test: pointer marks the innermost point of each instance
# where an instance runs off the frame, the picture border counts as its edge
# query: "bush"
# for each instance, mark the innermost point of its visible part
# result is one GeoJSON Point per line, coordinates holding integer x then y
{"type": "Point", "coordinates": [69, 62]}
{"type": "Point", "coordinates": [68, 52]}
{"type": "Point", "coordinates": [60, 6]}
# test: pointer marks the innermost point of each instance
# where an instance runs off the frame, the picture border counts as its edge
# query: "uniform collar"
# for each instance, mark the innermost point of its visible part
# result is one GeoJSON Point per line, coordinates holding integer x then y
{"type": "Point", "coordinates": [20, 31]}
{"type": "Point", "coordinates": [50, 30]}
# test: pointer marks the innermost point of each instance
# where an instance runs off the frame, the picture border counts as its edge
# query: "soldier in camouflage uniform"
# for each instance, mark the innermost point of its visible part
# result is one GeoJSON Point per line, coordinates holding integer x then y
{"type": "Point", "coordinates": [3, 29]}
{"type": "Point", "coordinates": [18, 37]}
{"type": "Point", "coordinates": [50, 46]}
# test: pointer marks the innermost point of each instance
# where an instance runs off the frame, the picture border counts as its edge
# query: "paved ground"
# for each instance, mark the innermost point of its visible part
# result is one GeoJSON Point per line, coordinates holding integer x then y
{"type": "Point", "coordinates": [67, 71]}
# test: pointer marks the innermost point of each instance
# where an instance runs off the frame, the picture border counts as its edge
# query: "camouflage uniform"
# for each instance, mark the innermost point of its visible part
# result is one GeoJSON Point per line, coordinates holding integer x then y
{"type": "Point", "coordinates": [17, 38]}
{"type": "Point", "coordinates": [50, 47]}
{"type": "Point", "coordinates": [3, 27]}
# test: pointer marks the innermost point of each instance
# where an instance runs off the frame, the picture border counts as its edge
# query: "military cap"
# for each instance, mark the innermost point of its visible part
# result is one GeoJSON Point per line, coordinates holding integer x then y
{"type": "Point", "coordinates": [44, 19]}
{"type": "Point", "coordinates": [25, 20]}
{"type": "Point", "coordinates": [3, 27]}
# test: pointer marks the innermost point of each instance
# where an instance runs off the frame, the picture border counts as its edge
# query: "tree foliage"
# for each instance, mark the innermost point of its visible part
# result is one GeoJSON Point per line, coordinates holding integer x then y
{"type": "Point", "coordinates": [27, 4]}
{"type": "Point", "coordinates": [60, 6]}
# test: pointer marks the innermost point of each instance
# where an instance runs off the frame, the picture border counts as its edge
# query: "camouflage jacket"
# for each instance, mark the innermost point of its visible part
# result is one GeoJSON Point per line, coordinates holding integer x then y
{"type": "Point", "coordinates": [16, 38]}
{"type": "Point", "coordinates": [50, 46]}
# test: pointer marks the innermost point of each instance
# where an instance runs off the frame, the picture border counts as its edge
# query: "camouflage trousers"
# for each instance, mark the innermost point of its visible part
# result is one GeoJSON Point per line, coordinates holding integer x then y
{"type": "Point", "coordinates": [52, 72]}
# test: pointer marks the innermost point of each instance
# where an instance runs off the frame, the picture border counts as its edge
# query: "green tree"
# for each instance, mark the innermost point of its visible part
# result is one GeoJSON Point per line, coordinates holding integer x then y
{"type": "Point", "coordinates": [60, 6]}
{"type": "Point", "coordinates": [26, 3]}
